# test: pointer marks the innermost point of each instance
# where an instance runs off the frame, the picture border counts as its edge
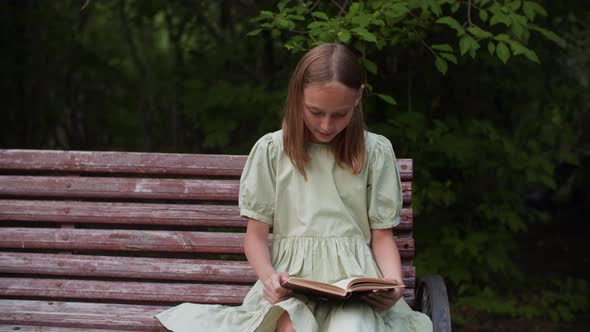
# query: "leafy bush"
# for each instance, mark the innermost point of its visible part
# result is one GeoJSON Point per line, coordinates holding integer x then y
{"type": "Point", "coordinates": [481, 154]}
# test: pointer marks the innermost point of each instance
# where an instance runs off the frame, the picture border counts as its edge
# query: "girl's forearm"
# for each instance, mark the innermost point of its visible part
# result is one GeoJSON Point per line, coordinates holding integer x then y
{"type": "Point", "coordinates": [256, 249]}
{"type": "Point", "coordinates": [386, 254]}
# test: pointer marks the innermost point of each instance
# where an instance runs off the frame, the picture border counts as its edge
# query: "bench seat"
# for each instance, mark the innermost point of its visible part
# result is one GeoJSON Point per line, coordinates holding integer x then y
{"type": "Point", "coordinates": [105, 240]}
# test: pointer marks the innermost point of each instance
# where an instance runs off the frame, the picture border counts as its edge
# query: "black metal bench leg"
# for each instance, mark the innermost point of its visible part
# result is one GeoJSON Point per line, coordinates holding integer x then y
{"type": "Point", "coordinates": [432, 300]}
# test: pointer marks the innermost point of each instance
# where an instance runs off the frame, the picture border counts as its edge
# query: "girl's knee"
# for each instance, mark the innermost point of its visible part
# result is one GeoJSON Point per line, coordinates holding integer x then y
{"type": "Point", "coordinates": [348, 318]}
{"type": "Point", "coordinates": [284, 324]}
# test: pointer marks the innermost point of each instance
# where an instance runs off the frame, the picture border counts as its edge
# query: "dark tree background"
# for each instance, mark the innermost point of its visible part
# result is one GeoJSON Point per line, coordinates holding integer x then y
{"type": "Point", "coordinates": [501, 150]}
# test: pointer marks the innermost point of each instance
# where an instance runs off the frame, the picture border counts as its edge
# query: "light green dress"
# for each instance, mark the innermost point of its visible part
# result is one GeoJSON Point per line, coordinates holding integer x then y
{"type": "Point", "coordinates": [321, 230]}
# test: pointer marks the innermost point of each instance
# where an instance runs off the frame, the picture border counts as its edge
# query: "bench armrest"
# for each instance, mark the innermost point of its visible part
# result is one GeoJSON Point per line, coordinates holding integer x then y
{"type": "Point", "coordinates": [432, 300]}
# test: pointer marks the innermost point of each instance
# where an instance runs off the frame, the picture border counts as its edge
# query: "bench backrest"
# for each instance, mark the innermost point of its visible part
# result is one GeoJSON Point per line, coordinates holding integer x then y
{"type": "Point", "coordinates": [123, 227]}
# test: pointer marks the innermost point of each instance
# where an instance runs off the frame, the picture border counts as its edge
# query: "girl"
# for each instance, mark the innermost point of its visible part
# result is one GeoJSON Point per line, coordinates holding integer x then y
{"type": "Point", "coordinates": [331, 192]}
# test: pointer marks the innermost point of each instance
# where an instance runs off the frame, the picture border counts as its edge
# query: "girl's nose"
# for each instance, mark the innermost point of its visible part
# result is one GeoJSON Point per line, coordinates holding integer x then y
{"type": "Point", "coordinates": [326, 124]}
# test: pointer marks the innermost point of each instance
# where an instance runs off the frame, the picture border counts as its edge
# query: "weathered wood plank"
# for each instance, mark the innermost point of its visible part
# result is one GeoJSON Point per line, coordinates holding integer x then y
{"type": "Point", "coordinates": [136, 213]}
{"type": "Point", "coordinates": [122, 213]}
{"type": "Point", "coordinates": [122, 240]}
{"type": "Point", "coordinates": [30, 328]}
{"type": "Point", "coordinates": [131, 291]}
{"type": "Point", "coordinates": [138, 240]}
{"type": "Point", "coordinates": [81, 315]}
{"type": "Point", "coordinates": [118, 188]}
{"type": "Point", "coordinates": [139, 268]}
{"type": "Point", "coordinates": [126, 267]}
{"type": "Point", "coordinates": [134, 163]}
{"type": "Point", "coordinates": [129, 188]}
{"type": "Point", "coordinates": [140, 292]}
{"type": "Point", "coordinates": [122, 162]}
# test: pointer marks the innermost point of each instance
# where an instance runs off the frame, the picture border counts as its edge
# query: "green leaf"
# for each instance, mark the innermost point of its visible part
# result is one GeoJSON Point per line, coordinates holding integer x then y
{"type": "Point", "coordinates": [467, 43]}
{"type": "Point", "coordinates": [362, 20]}
{"type": "Point", "coordinates": [479, 33]}
{"type": "Point", "coordinates": [283, 23]}
{"type": "Point", "coordinates": [519, 30]}
{"type": "Point", "coordinates": [443, 47]}
{"type": "Point", "coordinates": [503, 52]}
{"type": "Point", "coordinates": [518, 48]}
{"type": "Point", "coordinates": [353, 9]}
{"type": "Point", "coordinates": [398, 10]}
{"type": "Point", "coordinates": [531, 8]}
{"type": "Point", "coordinates": [254, 32]}
{"type": "Point", "coordinates": [321, 15]}
{"type": "Point", "coordinates": [315, 32]}
{"type": "Point", "coordinates": [500, 18]}
{"type": "Point", "coordinates": [483, 15]}
{"type": "Point", "coordinates": [435, 7]}
{"type": "Point", "coordinates": [550, 35]}
{"type": "Point", "coordinates": [451, 22]}
{"type": "Point", "coordinates": [448, 56]}
{"type": "Point", "coordinates": [491, 47]}
{"type": "Point", "coordinates": [370, 65]}
{"type": "Point", "coordinates": [502, 37]}
{"type": "Point", "coordinates": [315, 25]}
{"type": "Point", "coordinates": [365, 34]}
{"type": "Point", "coordinates": [441, 65]}
{"type": "Point", "coordinates": [344, 36]}
{"type": "Point", "coordinates": [514, 5]}
{"type": "Point", "coordinates": [387, 98]}
{"type": "Point", "coordinates": [266, 14]}
{"type": "Point", "coordinates": [296, 17]}
{"type": "Point", "coordinates": [294, 46]}
{"type": "Point", "coordinates": [570, 158]}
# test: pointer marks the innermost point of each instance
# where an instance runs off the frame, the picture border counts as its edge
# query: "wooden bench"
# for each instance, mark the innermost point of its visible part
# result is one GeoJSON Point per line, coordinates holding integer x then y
{"type": "Point", "coordinates": [105, 240]}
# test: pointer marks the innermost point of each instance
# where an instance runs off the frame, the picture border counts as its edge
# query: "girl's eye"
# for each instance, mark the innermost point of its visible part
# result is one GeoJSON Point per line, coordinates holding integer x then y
{"type": "Point", "coordinates": [339, 115]}
{"type": "Point", "coordinates": [315, 113]}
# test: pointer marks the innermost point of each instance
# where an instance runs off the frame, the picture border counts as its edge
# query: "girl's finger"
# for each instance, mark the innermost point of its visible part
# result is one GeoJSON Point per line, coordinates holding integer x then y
{"type": "Point", "coordinates": [371, 301]}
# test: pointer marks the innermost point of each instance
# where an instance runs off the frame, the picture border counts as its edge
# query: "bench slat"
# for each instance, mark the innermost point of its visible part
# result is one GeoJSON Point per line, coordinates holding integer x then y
{"type": "Point", "coordinates": [123, 290]}
{"type": "Point", "coordinates": [127, 267]}
{"type": "Point", "coordinates": [130, 188]}
{"type": "Point", "coordinates": [138, 240]}
{"type": "Point", "coordinates": [122, 162]}
{"type": "Point", "coordinates": [137, 163]}
{"type": "Point", "coordinates": [81, 315]}
{"type": "Point", "coordinates": [136, 213]}
{"type": "Point", "coordinates": [118, 188]}
{"type": "Point", "coordinates": [29, 328]}
{"type": "Point", "coordinates": [131, 291]}
{"type": "Point", "coordinates": [139, 268]}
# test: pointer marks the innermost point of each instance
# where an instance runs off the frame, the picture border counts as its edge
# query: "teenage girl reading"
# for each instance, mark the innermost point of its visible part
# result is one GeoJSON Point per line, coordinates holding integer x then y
{"type": "Point", "coordinates": [331, 192]}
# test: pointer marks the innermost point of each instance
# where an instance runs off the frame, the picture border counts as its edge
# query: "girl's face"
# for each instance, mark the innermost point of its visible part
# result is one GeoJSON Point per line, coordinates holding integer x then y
{"type": "Point", "coordinates": [328, 109]}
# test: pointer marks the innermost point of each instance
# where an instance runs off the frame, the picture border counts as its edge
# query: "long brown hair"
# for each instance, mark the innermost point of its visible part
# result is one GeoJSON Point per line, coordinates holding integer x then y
{"type": "Point", "coordinates": [324, 64]}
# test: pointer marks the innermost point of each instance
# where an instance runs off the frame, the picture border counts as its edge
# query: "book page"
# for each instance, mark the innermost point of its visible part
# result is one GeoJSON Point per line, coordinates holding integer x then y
{"type": "Point", "coordinates": [366, 283]}
{"type": "Point", "coordinates": [344, 283]}
{"type": "Point", "coordinates": [299, 283]}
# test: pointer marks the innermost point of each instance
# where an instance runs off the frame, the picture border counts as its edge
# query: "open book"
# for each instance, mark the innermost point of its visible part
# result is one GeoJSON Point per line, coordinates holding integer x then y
{"type": "Point", "coordinates": [339, 290]}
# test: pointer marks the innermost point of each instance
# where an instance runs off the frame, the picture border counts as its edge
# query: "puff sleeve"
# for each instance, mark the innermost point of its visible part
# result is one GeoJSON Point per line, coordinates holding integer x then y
{"type": "Point", "coordinates": [257, 183]}
{"type": "Point", "coordinates": [384, 192]}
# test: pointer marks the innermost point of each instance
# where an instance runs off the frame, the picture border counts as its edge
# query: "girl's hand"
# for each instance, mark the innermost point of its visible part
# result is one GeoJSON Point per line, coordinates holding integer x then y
{"type": "Point", "coordinates": [273, 291]}
{"type": "Point", "coordinates": [383, 299]}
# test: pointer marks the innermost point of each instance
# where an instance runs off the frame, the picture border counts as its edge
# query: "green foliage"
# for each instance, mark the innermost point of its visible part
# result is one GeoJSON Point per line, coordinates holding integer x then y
{"type": "Point", "coordinates": [377, 24]}
{"type": "Point", "coordinates": [499, 141]}
{"type": "Point", "coordinates": [477, 160]}
{"type": "Point", "coordinates": [558, 300]}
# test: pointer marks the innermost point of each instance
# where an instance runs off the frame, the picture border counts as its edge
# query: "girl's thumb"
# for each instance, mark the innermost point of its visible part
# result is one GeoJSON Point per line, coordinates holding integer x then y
{"type": "Point", "coordinates": [284, 276]}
